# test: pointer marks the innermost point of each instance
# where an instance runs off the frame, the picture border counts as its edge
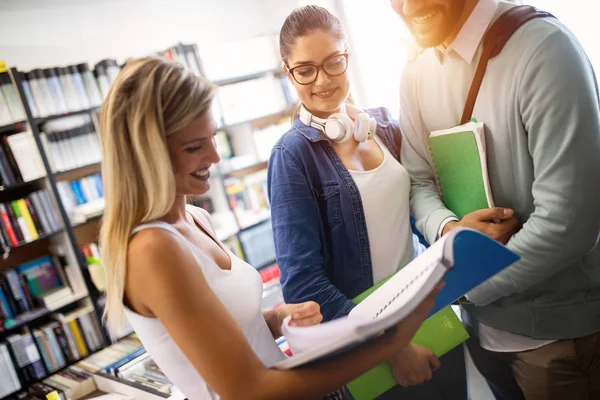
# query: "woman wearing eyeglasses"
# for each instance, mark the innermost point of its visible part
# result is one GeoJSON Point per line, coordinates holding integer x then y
{"type": "Point", "coordinates": [340, 197]}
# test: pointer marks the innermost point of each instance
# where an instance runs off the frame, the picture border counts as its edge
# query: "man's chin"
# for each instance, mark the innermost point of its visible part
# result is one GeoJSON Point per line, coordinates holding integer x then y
{"type": "Point", "coordinates": [429, 40]}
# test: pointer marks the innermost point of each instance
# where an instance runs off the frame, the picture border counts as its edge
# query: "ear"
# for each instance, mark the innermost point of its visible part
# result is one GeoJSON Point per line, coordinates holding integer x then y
{"type": "Point", "coordinates": [287, 74]}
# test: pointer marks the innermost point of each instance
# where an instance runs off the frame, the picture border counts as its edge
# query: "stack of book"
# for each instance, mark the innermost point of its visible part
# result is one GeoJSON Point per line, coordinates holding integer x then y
{"type": "Point", "coordinates": [38, 286]}
{"type": "Point", "coordinates": [72, 148]}
{"type": "Point", "coordinates": [82, 198]}
{"type": "Point", "coordinates": [248, 198]}
{"type": "Point", "coordinates": [26, 219]}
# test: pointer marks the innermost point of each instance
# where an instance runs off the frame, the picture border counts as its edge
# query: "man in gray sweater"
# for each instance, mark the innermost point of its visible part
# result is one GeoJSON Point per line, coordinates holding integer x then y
{"type": "Point", "coordinates": [539, 104]}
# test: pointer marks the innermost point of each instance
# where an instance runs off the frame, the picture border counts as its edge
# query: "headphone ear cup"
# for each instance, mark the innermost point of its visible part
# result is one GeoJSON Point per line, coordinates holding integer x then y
{"type": "Point", "coordinates": [362, 127]}
{"type": "Point", "coordinates": [365, 127]}
{"type": "Point", "coordinates": [338, 127]}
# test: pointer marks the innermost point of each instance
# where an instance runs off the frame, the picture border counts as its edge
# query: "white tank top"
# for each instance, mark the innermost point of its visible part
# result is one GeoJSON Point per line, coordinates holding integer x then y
{"type": "Point", "coordinates": [240, 291]}
{"type": "Point", "coordinates": [385, 193]}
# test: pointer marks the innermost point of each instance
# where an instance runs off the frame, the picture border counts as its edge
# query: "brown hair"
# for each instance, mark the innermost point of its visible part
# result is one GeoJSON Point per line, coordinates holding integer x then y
{"type": "Point", "coordinates": [305, 20]}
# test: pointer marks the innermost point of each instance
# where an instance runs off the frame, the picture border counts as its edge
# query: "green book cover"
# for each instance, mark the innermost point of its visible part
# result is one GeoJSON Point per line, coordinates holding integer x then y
{"type": "Point", "coordinates": [460, 172]}
{"type": "Point", "coordinates": [440, 333]}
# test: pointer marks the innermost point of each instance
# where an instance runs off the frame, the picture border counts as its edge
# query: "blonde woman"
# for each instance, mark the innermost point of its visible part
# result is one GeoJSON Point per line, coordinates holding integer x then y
{"type": "Point", "coordinates": [195, 305]}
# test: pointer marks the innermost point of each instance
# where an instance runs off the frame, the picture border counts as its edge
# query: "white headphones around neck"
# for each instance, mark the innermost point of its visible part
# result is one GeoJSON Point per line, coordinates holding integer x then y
{"type": "Point", "coordinates": [338, 127]}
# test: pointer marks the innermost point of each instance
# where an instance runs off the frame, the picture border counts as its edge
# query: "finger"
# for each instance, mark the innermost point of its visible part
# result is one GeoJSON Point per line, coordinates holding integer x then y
{"type": "Point", "coordinates": [305, 309]}
{"type": "Point", "coordinates": [434, 362]}
{"type": "Point", "coordinates": [400, 377]}
{"type": "Point", "coordinates": [488, 214]}
{"type": "Point", "coordinates": [308, 321]}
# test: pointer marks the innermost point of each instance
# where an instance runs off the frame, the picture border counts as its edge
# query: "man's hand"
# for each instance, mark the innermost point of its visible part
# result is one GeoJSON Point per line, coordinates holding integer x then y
{"type": "Point", "coordinates": [414, 365]}
{"type": "Point", "coordinates": [498, 223]}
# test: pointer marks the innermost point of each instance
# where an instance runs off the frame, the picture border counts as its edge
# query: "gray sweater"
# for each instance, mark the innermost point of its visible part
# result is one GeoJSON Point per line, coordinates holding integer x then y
{"type": "Point", "coordinates": [539, 102]}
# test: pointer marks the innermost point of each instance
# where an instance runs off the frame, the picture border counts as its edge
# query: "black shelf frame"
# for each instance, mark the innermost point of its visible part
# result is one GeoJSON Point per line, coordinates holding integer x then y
{"type": "Point", "coordinates": [41, 120]}
{"type": "Point", "coordinates": [14, 127]}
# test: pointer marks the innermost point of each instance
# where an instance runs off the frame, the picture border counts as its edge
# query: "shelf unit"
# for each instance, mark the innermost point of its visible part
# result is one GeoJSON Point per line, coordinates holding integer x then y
{"type": "Point", "coordinates": [72, 236]}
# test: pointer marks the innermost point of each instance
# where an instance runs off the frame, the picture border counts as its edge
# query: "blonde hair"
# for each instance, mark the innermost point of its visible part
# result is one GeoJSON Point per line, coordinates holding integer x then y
{"type": "Point", "coordinates": [150, 99]}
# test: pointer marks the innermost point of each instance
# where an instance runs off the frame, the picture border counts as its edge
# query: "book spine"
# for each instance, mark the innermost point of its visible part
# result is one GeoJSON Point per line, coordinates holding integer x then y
{"type": "Point", "coordinates": [12, 303]}
{"type": "Point", "coordinates": [37, 336]}
{"type": "Point", "coordinates": [53, 341]}
{"type": "Point", "coordinates": [5, 306]}
{"type": "Point", "coordinates": [71, 341]}
{"type": "Point", "coordinates": [63, 343]}
{"type": "Point", "coordinates": [49, 209]}
{"type": "Point", "coordinates": [17, 291]}
{"type": "Point", "coordinates": [79, 341]}
{"type": "Point", "coordinates": [14, 224]}
{"type": "Point", "coordinates": [5, 170]}
{"type": "Point", "coordinates": [8, 226]}
{"type": "Point", "coordinates": [27, 234]}
{"type": "Point", "coordinates": [79, 196]}
{"type": "Point", "coordinates": [11, 160]}
{"type": "Point", "coordinates": [36, 205]}
{"type": "Point", "coordinates": [22, 205]}
{"type": "Point", "coordinates": [27, 291]}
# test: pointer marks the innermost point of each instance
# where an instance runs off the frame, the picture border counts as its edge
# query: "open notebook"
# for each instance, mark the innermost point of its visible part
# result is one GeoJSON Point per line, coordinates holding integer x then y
{"type": "Point", "coordinates": [464, 258]}
{"type": "Point", "coordinates": [460, 160]}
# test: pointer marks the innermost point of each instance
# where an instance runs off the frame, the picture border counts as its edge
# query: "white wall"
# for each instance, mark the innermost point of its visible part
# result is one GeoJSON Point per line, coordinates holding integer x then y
{"type": "Point", "coordinates": [41, 33]}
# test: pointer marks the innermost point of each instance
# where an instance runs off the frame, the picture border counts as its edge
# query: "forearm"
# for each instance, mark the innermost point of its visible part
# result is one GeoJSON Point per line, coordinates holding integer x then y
{"type": "Point", "coordinates": [312, 382]}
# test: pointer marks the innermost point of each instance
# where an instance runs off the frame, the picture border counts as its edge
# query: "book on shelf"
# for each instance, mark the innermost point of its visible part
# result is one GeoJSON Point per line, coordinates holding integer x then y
{"type": "Point", "coordinates": [26, 219]}
{"type": "Point", "coordinates": [248, 198]}
{"type": "Point", "coordinates": [82, 198]}
{"type": "Point", "coordinates": [26, 155]}
{"type": "Point", "coordinates": [72, 148]}
{"type": "Point", "coordinates": [463, 259]}
{"type": "Point", "coordinates": [239, 101]}
{"type": "Point", "coordinates": [37, 287]}
{"type": "Point", "coordinates": [28, 362]}
{"type": "Point", "coordinates": [9, 380]}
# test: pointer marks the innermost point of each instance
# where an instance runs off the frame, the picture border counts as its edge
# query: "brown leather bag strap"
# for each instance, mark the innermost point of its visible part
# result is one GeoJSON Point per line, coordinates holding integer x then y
{"type": "Point", "coordinates": [493, 42]}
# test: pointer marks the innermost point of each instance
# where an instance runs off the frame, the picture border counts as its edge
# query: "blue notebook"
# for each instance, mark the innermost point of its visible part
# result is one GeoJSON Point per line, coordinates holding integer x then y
{"type": "Point", "coordinates": [463, 258]}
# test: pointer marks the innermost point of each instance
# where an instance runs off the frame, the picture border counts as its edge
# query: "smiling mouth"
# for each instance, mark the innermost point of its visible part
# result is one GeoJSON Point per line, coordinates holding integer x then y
{"type": "Point", "coordinates": [325, 94]}
{"type": "Point", "coordinates": [203, 174]}
{"type": "Point", "coordinates": [423, 19]}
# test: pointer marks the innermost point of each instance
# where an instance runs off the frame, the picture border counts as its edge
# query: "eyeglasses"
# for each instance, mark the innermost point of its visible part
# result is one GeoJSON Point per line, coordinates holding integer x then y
{"type": "Point", "coordinates": [334, 65]}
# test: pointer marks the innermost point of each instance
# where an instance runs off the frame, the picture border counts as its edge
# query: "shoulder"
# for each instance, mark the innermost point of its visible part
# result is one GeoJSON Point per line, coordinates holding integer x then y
{"type": "Point", "coordinates": [381, 114]}
{"type": "Point", "coordinates": [537, 32]}
{"type": "Point", "coordinates": [293, 147]}
{"type": "Point", "coordinates": [154, 252]}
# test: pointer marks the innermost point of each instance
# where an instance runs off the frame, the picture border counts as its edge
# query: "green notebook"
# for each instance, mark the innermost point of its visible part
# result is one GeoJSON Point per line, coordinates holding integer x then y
{"type": "Point", "coordinates": [460, 161]}
{"type": "Point", "coordinates": [440, 333]}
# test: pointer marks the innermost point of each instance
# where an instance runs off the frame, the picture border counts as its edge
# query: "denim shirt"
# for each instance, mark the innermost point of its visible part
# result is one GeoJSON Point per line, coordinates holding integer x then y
{"type": "Point", "coordinates": [319, 226]}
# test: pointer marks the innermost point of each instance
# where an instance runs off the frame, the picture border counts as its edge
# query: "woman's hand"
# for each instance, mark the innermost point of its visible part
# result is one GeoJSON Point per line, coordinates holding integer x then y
{"type": "Point", "coordinates": [414, 365]}
{"type": "Point", "coordinates": [303, 314]}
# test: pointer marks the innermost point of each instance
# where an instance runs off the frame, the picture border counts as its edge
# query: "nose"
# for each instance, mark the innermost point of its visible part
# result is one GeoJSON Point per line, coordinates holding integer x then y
{"type": "Point", "coordinates": [322, 78]}
{"type": "Point", "coordinates": [213, 155]}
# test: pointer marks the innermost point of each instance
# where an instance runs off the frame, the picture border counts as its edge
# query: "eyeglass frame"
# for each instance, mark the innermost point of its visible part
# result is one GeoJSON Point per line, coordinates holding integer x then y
{"type": "Point", "coordinates": [346, 55]}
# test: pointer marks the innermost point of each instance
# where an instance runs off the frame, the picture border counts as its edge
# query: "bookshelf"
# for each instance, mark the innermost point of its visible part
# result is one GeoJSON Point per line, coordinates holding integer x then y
{"type": "Point", "coordinates": [237, 201]}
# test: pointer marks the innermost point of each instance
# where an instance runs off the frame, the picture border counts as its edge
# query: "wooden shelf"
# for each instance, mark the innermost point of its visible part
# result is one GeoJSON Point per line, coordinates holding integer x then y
{"type": "Point", "coordinates": [27, 251]}
{"type": "Point", "coordinates": [88, 231]}
{"type": "Point", "coordinates": [78, 173]}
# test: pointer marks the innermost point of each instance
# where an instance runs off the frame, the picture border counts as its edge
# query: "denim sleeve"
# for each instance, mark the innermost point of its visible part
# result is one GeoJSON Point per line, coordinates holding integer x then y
{"type": "Point", "coordinates": [296, 230]}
